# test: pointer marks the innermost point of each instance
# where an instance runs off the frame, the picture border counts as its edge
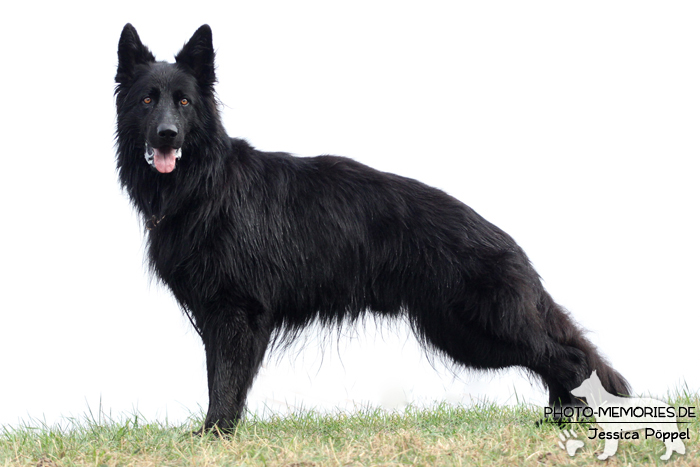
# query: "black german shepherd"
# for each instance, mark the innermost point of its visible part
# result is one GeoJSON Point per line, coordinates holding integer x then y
{"type": "Point", "coordinates": [257, 245]}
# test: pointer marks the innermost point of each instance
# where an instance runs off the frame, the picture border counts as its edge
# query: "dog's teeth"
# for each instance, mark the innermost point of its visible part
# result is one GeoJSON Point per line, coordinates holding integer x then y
{"type": "Point", "coordinates": [149, 154]}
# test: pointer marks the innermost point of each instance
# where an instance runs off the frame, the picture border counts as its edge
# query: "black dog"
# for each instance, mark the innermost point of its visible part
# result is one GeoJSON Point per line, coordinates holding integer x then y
{"type": "Point", "coordinates": [255, 245]}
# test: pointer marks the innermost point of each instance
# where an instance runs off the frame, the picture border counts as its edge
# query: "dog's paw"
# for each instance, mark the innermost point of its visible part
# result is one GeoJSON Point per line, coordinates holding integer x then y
{"type": "Point", "coordinates": [568, 444]}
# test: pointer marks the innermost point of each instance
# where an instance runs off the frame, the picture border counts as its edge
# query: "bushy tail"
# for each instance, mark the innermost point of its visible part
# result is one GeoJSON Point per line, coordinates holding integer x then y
{"type": "Point", "coordinates": [612, 381]}
{"type": "Point", "coordinates": [565, 332]}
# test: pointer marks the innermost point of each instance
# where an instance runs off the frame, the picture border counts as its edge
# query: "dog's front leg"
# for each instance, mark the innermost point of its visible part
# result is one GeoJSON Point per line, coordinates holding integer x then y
{"type": "Point", "coordinates": [235, 342]}
{"type": "Point", "coordinates": [609, 449]}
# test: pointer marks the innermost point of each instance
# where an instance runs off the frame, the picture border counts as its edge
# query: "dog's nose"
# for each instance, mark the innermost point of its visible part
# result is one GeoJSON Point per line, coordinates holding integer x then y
{"type": "Point", "coordinates": [167, 130]}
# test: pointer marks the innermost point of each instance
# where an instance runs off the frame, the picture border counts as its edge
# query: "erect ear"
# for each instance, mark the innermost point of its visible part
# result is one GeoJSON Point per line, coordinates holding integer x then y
{"type": "Point", "coordinates": [131, 53]}
{"type": "Point", "coordinates": [197, 55]}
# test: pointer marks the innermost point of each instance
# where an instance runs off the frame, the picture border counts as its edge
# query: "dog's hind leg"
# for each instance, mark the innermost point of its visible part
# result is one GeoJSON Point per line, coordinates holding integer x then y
{"type": "Point", "coordinates": [471, 343]}
{"type": "Point", "coordinates": [673, 445]}
{"type": "Point", "coordinates": [475, 346]}
{"type": "Point", "coordinates": [235, 341]}
{"type": "Point", "coordinates": [516, 323]}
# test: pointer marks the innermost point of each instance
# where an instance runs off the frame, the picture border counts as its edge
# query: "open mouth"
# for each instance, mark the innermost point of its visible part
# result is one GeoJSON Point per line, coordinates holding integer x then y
{"type": "Point", "coordinates": [163, 158]}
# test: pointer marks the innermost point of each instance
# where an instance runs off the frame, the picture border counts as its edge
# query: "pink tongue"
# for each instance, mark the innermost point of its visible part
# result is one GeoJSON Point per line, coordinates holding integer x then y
{"type": "Point", "coordinates": [164, 160]}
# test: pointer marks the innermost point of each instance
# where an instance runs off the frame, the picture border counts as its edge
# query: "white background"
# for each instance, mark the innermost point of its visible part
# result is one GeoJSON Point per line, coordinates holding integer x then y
{"type": "Point", "coordinates": [573, 128]}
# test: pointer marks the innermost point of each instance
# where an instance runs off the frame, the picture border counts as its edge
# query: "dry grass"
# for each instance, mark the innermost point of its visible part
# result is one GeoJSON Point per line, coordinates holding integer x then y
{"type": "Point", "coordinates": [441, 436]}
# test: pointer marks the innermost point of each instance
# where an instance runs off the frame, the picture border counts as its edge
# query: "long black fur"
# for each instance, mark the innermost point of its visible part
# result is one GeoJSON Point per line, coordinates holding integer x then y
{"type": "Point", "coordinates": [255, 243]}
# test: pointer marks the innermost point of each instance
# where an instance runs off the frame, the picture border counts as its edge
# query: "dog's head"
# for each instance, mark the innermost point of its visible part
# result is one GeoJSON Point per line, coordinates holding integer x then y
{"type": "Point", "coordinates": [163, 102]}
{"type": "Point", "coordinates": [592, 385]}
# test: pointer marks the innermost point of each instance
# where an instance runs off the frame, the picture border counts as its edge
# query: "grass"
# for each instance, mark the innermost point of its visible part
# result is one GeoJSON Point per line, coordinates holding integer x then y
{"type": "Point", "coordinates": [444, 435]}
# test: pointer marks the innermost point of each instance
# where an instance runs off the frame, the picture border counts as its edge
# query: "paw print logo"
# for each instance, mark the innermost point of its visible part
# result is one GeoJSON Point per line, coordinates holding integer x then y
{"type": "Point", "coordinates": [568, 444]}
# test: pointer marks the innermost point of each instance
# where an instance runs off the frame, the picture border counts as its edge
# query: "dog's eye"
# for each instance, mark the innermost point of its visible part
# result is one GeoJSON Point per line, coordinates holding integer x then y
{"type": "Point", "coordinates": [184, 101]}
{"type": "Point", "coordinates": [147, 100]}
